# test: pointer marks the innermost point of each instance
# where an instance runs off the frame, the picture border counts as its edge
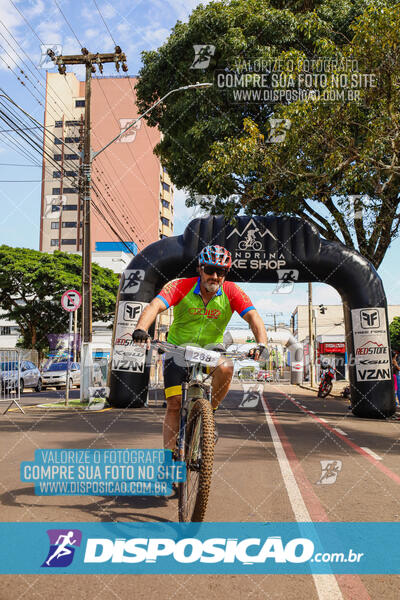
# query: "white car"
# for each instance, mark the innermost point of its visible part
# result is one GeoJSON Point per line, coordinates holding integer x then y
{"type": "Point", "coordinates": [55, 375]}
{"type": "Point", "coordinates": [29, 376]}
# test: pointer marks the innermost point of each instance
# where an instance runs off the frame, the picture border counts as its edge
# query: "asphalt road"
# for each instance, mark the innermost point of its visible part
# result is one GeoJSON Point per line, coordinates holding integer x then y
{"type": "Point", "coordinates": [267, 465]}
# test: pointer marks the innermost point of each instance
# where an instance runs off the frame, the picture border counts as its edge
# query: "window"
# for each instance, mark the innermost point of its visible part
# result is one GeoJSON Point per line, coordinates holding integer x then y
{"type": "Point", "coordinates": [5, 330]}
{"type": "Point", "coordinates": [57, 174]}
{"type": "Point", "coordinates": [55, 225]}
{"type": "Point", "coordinates": [58, 124]}
{"type": "Point", "coordinates": [165, 221]}
{"type": "Point", "coordinates": [71, 123]}
{"type": "Point", "coordinates": [165, 186]}
{"type": "Point", "coordinates": [55, 208]}
{"type": "Point", "coordinates": [79, 103]}
{"type": "Point", "coordinates": [68, 242]}
{"type": "Point", "coordinates": [72, 140]}
{"type": "Point", "coordinates": [56, 191]}
{"type": "Point", "coordinates": [70, 190]}
{"type": "Point", "coordinates": [165, 203]}
{"type": "Point", "coordinates": [71, 157]}
{"type": "Point", "coordinates": [54, 242]}
{"type": "Point", "coordinates": [58, 141]}
{"type": "Point", "coordinates": [57, 156]}
{"type": "Point", "coordinates": [71, 173]}
{"type": "Point", "coordinates": [69, 224]}
{"type": "Point", "coordinates": [70, 207]}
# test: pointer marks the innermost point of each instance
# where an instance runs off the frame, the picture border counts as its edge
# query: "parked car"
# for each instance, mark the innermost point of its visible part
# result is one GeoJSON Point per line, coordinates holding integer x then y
{"type": "Point", "coordinates": [29, 376]}
{"type": "Point", "coordinates": [55, 375]}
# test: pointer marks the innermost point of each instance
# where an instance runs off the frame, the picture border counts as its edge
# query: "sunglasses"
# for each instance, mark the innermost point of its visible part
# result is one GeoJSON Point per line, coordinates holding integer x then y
{"type": "Point", "coordinates": [210, 270]}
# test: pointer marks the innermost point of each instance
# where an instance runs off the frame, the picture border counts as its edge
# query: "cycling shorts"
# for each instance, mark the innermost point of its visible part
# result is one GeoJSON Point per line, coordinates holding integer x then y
{"type": "Point", "coordinates": [174, 376]}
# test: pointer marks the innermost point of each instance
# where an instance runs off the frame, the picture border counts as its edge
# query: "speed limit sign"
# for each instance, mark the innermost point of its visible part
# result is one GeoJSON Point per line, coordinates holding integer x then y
{"type": "Point", "coordinates": [71, 300]}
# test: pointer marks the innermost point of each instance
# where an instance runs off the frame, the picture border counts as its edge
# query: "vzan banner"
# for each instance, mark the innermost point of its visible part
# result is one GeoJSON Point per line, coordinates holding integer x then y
{"type": "Point", "coordinates": [371, 344]}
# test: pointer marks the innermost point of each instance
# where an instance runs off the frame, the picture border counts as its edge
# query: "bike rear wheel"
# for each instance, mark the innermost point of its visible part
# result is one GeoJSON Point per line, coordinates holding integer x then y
{"type": "Point", "coordinates": [199, 458]}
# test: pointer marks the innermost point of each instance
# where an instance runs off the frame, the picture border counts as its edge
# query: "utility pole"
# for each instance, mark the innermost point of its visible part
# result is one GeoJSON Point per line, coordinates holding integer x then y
{"type": "Point", "coordinates": [310, 336]}
{"type": "Point", "coordinates": [90, 61]}
{"type": "Point", "coordinates": [274, 316]}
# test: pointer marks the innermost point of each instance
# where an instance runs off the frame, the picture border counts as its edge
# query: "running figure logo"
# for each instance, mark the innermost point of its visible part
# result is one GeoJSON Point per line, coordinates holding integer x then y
{"type": "Point", "coordinates": [62, 547]}
{"type": "Point", "coordinates": [203, 54]}
{"type": "Point", "coordinates": [330, 470]}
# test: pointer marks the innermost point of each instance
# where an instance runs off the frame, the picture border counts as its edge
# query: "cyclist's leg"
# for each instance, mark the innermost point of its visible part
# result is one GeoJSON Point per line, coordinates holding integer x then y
{"type": "Point", "coordinates": [173, 377]}
{"type": "Point", "coordinates": [171, 421]}
{"type": "Point", "coordinates": [221, 380]}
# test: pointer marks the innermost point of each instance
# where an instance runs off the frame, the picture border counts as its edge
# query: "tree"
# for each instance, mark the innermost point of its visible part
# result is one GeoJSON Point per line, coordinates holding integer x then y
{"type": "Point", "coordinates": [394, 330]}
{"type": "Point", "coordinates": [31, 286]}
{"type": "Point", "coordinates": [338, 166]}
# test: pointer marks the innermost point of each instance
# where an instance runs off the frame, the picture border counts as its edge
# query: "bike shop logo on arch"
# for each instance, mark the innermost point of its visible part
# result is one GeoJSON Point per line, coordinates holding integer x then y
{"type": "Point", "coordinates": [250, 251]}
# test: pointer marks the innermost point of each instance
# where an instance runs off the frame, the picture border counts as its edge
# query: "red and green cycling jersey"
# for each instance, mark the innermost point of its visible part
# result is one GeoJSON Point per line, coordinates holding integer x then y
{"type": "Point", "coordinates": [196, 322]}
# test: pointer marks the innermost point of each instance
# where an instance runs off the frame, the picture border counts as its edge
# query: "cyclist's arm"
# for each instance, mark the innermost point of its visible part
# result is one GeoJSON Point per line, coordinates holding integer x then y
{"type": "Point", "coordinates": [257, 326]}
{"type": "Point", "coordinates": [150, 313]}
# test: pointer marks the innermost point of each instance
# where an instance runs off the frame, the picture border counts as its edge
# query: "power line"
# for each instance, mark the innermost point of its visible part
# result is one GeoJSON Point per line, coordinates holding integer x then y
{"type": "Point", "coordinates": [106, 26]}
{"type": "Point", "coordinates": [68, 23]}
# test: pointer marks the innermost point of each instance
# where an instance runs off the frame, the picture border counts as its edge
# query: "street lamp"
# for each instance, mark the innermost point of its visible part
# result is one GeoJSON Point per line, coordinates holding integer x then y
{"type": "Point", "coordinates": [179, 89]}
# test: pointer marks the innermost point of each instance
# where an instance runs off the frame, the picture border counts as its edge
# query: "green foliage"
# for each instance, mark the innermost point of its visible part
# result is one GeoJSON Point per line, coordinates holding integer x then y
{"type": "Point", "coordinates": [394, 330]}
{"type": "Point", "coordinates": [338, 166]}
{"type": "Point", "coordinates": [31, 286]}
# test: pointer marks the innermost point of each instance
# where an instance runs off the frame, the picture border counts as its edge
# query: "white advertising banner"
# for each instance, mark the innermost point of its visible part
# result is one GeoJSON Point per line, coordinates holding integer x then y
{"type": "Point", "coordinates": [371, 344]}
{"type": "Point", "coordinates": [127, 356]}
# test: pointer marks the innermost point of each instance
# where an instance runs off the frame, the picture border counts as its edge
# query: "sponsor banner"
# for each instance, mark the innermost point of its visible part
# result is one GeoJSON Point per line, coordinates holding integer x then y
{"type": "Point", "coordinates": [200, 548]}
{"type": "Point", "coordinates": [127, 356]}
{"type": "Point", "coordinates": [116, 472]}
{"type": "Point", "coordinates": [371, 344]}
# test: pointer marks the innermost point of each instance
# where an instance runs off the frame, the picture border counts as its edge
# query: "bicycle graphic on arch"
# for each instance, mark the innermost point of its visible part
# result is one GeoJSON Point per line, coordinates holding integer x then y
{"type": "Point", "coordinates": [250, 243]}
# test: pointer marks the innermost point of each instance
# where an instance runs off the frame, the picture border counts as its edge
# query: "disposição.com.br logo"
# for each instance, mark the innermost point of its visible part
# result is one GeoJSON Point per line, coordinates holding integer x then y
{"type": "Point", "coordinates": [62, 547]}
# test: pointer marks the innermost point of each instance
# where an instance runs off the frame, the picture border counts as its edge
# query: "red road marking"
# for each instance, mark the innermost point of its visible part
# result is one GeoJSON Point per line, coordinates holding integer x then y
{"type": "Point", "coordinates": [350, 585]}
{"type": "Point", "coordinates": [376, 463]}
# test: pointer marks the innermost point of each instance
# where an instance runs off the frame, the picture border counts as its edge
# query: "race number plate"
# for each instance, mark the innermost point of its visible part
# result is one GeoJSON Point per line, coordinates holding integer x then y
{"type": "Point", "coordinates": [199, 355]}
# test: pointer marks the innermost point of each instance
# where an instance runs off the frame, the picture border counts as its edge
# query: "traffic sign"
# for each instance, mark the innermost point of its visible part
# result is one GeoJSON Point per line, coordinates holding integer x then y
{"type": "Point", "coordinates": [71, 300]}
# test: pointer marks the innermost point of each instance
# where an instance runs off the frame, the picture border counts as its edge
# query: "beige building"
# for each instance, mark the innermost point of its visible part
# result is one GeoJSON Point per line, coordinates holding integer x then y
{"type": "Point", "coordinates": [328, 320]}
{"type": "Point", "coordinates": [131, 191]}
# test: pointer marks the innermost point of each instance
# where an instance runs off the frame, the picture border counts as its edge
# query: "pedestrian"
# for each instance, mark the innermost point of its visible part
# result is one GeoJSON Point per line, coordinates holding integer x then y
{"type": "Point", "coordinates": [396, 374]}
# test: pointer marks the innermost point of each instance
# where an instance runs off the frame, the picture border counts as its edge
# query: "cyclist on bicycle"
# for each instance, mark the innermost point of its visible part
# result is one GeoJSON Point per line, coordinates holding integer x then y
{"type": "Point", "coordinates": [203, 307]}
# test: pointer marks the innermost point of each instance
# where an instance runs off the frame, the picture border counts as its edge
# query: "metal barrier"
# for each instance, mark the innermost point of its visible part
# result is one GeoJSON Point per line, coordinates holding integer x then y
{"type": "Point", "coordinates": [10, 375]}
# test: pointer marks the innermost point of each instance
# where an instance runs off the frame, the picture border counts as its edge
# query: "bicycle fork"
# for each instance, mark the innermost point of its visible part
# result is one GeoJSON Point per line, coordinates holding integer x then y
{"type": "Point", "coordinates": [188, 394]}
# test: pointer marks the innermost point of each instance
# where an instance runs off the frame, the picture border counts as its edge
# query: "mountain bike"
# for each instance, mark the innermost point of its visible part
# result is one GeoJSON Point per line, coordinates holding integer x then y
{"type": "Point", "coordinates": [195, 441]}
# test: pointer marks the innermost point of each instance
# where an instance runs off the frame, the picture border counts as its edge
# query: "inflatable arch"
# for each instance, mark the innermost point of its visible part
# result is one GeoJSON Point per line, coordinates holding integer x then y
{"type": "Point", "coordinates": [264, 250]}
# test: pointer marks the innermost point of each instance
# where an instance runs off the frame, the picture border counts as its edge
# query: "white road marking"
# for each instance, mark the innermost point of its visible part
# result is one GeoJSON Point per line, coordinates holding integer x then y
{"type": "Point", "coordinates": [371, 453]}
{"type": "Point", "coordinates": [323, 420]}
{"type": "Point", "coordinates": [326, 585]}
{"type": "Point", "coordinates": [340, 431]}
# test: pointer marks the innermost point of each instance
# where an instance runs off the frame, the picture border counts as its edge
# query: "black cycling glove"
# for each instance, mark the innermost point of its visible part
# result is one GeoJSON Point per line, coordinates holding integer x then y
{"type": "Point", "coordinates": [139, 335]}
{"type": "Point", "coordinates": [262, 352]}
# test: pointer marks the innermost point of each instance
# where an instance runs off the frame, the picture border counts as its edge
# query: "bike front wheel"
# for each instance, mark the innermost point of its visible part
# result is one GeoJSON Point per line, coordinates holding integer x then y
{"type": "Point", "coordinates": [199, 458]}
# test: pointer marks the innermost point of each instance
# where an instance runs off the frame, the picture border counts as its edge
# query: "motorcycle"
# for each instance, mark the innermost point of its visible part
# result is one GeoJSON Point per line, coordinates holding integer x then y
{"type": "Point", "coordinates": [325, 386]}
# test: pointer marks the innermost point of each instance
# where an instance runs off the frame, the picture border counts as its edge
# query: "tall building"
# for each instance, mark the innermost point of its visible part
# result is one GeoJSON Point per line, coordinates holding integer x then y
{"type": "Point", "coordinates": [131, 193]}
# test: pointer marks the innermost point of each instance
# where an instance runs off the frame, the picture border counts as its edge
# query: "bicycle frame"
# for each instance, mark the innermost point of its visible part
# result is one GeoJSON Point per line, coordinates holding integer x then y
{"type": "Point", "coordinates": [193, 387]}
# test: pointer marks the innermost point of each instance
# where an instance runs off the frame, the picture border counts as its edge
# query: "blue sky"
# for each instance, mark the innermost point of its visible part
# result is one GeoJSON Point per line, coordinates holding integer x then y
{"type": "Point", "coordinates": [136, 26]}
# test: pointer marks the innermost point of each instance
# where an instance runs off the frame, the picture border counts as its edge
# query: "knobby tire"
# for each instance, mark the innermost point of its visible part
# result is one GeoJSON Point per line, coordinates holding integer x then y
{"type": "Point", "coordinates": [195, 490]}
